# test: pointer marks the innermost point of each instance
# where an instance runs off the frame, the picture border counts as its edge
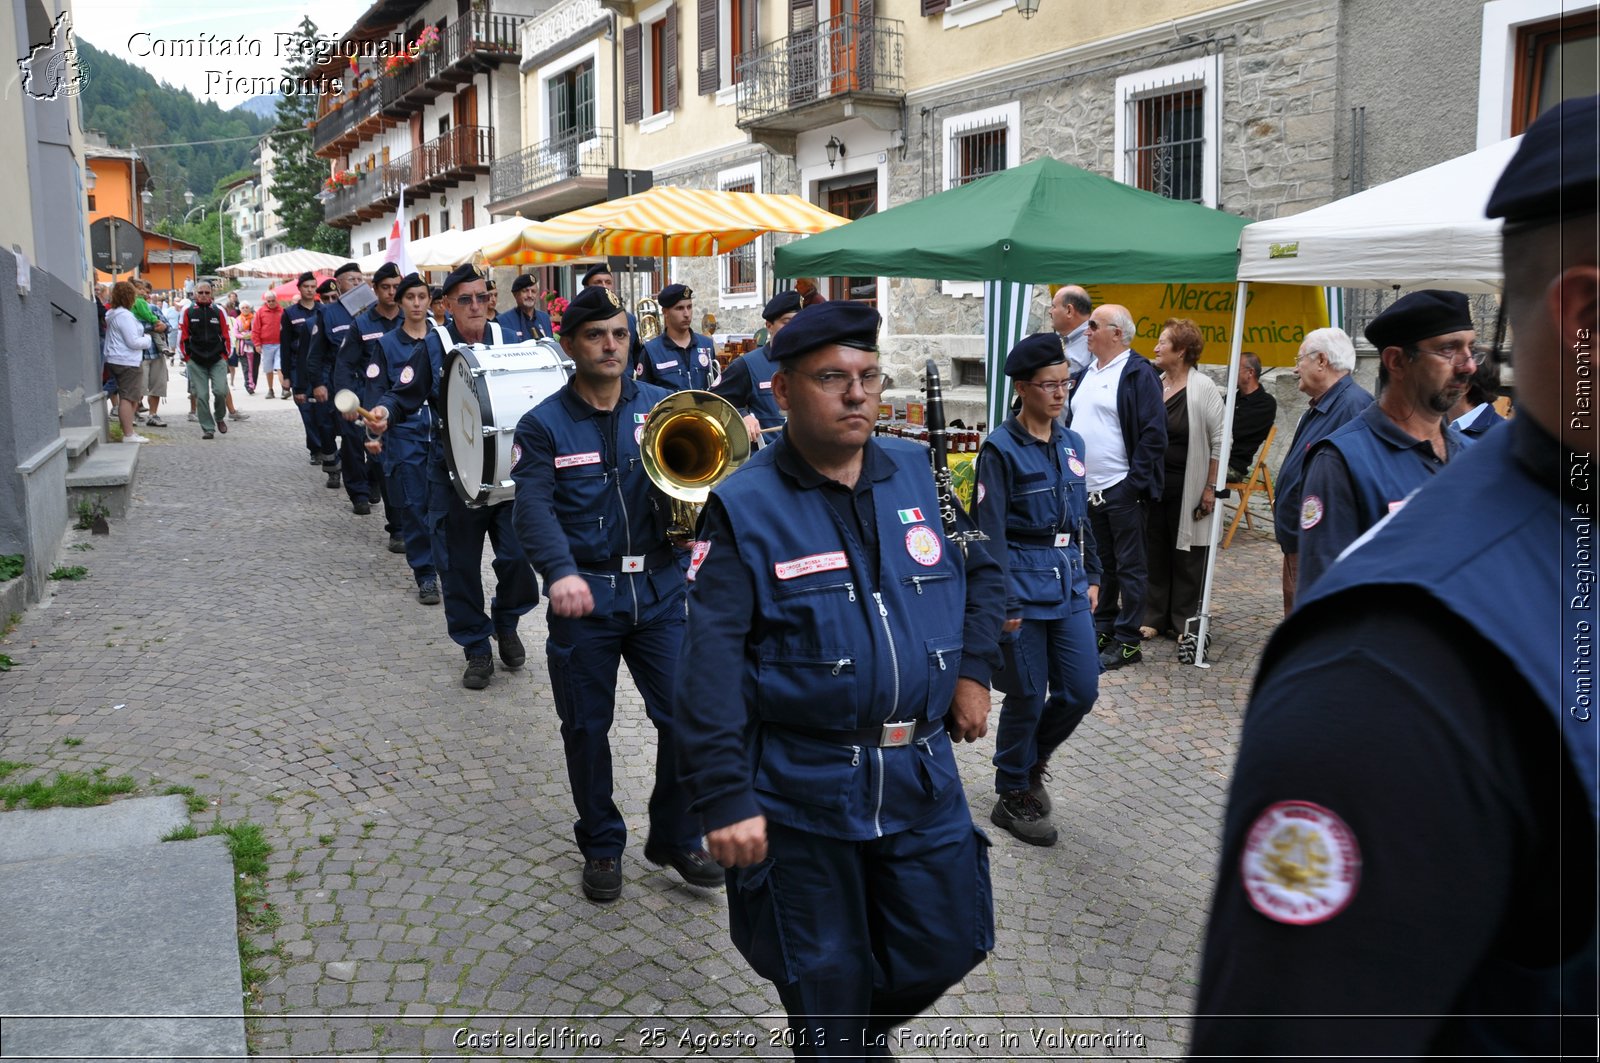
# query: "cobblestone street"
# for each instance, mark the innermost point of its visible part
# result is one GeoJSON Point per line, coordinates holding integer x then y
{"type": "Point", "coordinates": [243, 633]}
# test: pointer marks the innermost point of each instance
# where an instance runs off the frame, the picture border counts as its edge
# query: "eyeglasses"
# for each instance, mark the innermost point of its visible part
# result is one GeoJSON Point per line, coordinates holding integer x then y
{"type": "Point", "coordinates": [1050, 387]}
{"type": "Point", "coordinates": [833, 382]}
{"type": "Point", "coordinates": [1095, 326]}
{"type": "Point", "coordinates": [481, 298]}
{"type": "Point", "coordinates": [1460, 354]}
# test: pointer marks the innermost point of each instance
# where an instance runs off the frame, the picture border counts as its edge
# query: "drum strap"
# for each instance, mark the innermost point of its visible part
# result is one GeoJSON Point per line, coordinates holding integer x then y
{"type": "Point", "coordinates": [497, 338]}
{"type": "Point", "coordinates": [446, 344]}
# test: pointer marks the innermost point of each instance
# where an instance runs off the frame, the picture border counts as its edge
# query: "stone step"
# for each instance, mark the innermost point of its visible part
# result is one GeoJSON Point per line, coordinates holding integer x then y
{"type": "Point", "coordinates": [52, 832]}
{"type": "Point", "coordinates": [101, 940]}
{"type": "Point", "coordinates": [81, 442]}
{"type": "Point", "coordinates": [109, 472]}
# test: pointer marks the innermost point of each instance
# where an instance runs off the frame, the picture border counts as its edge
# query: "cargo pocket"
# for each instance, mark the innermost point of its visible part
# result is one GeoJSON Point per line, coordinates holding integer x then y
{"type": "Point", "coordinates": [983, 917]}
{"type": "Point", "coordinates": [558, 658]}
{"type": "Point", "coordinates": [756, 922]}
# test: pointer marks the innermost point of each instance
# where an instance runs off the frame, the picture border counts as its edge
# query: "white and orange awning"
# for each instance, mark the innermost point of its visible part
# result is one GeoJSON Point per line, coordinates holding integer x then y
{"type": "Point", "coordinates": [288, 264]}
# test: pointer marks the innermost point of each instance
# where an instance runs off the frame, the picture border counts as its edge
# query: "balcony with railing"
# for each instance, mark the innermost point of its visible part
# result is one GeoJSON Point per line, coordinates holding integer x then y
{"type": "Point", "coordinates": [555, 175]}
{"type": "Point", "coordinates": [462, 154]}
{"type": "Point", "coordinates": [852, 66]}
{"type": "Point", "coordinates": [344, 119]}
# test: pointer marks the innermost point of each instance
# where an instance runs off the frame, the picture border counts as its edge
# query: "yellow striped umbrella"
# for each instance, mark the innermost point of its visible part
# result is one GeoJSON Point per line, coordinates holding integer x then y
{"type": "Point", "coordinates": [667, 221]}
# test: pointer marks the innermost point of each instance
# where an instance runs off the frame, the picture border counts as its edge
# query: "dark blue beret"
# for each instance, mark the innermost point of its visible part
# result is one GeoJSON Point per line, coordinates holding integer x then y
{"type": "Point", "coordinates": [348, 267]}
{"type": "Point", "coordinates": [593, 303]}
{"type": "Point", "coordinates": [780, 304]}
{"type": "Point", "coordinates": [673, 294]}
{"type": "Point", "coordinates": [435, 294]}
{"type": "Point", "coordinates": [524, 280]}
{"type": "Point", "coordinates": [410, 281]}
{"type": "Point", "coordinates": [461, 275]}
{"type": "Point", "coordinates": [594, 271]}
{"type": "Point", "coordinates": [385, 271]}
{"type": "Point", "coordinates": [1034, 352]}
{"type": "Point", "coordinates": [1556, 170]}
{"type": "Point", "coordinates": [838, 321]}
{"type": "Point", "coordinates": [1419, 316]}
{"type": "Point", "coordinates": [306, 277]}
{"type": "Point", "coordinates": [327, 286]}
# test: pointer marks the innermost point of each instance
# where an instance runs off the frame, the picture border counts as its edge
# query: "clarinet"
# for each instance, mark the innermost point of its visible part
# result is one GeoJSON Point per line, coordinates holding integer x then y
{"type": "Point", "coordinates": [951, 512]}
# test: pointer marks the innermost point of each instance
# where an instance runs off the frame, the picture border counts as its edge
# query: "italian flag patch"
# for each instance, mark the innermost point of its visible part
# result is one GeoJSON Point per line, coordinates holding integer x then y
{"type": "Point", "coordinates": [910, 516]}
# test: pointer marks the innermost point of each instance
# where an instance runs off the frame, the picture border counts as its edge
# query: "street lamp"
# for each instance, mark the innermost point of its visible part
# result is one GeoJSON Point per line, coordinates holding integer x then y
{"type": "Point", "coordinates": [1027, 8]}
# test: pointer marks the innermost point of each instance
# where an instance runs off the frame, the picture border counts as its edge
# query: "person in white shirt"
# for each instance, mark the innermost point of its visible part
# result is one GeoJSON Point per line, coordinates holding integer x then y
{"type": "Point", "coordinates": [125, 344]}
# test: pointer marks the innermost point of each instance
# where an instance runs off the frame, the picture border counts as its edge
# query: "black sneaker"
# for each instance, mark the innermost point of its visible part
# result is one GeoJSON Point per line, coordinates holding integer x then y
{"type": "Point", "coordinates": [512, 653]}
{"type": "Point", "coordinates": [1020, 814]}
{"type": "Point", "coordinates": [1101, 638]}
{"type": "Point", "coordinates": [479, 669]}
{"type": "Point", "coordinates": [1120, 655]}
{"type": "Point", "coordinates": [695, 865]}
{"type": "Point", "coordinates": [333, 480]}
{"type": "Point", "coordinates": [602, 878]}
{"type": "Point", "coordinates": [316, 459]}
{"type": "Point", "coordinates": [1036, 777]}
{"type": "Point", "coordinates": [361, 507]}
{"type": "Point", "coordinates": [428, 592]}
{"type": "Point", "coordinates": [397, 545]}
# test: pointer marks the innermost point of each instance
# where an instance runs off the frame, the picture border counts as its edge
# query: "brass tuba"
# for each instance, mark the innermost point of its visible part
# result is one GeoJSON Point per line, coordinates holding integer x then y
{"type": "Point", "coordinates": [648, 311]}
{"type": "Point", "coordinates": [692, 440]}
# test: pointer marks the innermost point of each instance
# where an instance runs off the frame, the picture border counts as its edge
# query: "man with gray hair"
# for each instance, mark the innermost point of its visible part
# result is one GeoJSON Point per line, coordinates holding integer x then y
{"type": "Point", "coordinates": [1069, 317]}
{"type": "Point", "coordinates": [1324, 364]}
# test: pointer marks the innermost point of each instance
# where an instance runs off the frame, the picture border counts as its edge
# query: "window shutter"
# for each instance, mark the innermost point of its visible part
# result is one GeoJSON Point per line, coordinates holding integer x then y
{"type": "Point", "coordinates": [867, 44]}
{"type": "Point", "coordinates": [710, 49]}
{"type": "Point", "coordinates": [669, 44]}
{"type": "Point", "coordinates": [632, 76]}
{"type": "Point", "coordinates": [933, 7]}
{"type": "Point", "coordinates": [802, 51]}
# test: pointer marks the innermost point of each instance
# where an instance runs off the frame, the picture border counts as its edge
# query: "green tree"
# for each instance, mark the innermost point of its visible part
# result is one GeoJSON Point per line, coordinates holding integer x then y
{"type": "Point", "coordinates": [298, 174]}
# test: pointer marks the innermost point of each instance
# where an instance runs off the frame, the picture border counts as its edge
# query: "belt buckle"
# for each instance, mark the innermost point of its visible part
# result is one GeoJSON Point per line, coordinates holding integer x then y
{"type": "Point", "coordinates": [897, 733]}
{"type": "Point", "coordinates": [1063, 539]}
{"type": "Point", "coordinates": [1097, 498]}
{"type": "Point", "coordinates": [633, 562]}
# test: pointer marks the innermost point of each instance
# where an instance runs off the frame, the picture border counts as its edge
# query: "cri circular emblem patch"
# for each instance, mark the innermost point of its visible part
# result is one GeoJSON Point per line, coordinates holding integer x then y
{"type": "Point", "coordinates": [1075, 465]}
{"type": "Point", "coordinates": [372, 371]}
{"type": "Point", "coordinates": [406, 374]}
{"type": "Point", "coordinates": [981, 493]}
{"type": "Point", "coordinates": [1301, 864]}
{"type": "Point", "coordinates": [516, 454]}
{"type": "Point", "coordinates": [923, 544]}
{"type": "Point", "coordinates": [705, 359]}
{"type": "Point", "coordinates": [638, 433]}
{"type": "Point", "coordinates": [1310, 512]}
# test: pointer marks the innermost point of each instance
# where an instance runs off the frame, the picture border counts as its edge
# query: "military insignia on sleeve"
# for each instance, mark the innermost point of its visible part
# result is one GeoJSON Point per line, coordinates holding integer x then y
{"type": "Point", "coordinates": [1310, 512]}
{"type": "Point", "coordinates": [981, 493]}
{"type": "Point", "coordinates": [1301, 864]}
{"type": "Point", "coordinates": [924, 545]}
{"type": "Point", "coordinates": [697, 555]}
{"type": "Point", "coordinates": [516, 455]}
{"type": "Point", "coordinates": [407, 374]}
{"type": "Point", "coordinates": [372, 371]}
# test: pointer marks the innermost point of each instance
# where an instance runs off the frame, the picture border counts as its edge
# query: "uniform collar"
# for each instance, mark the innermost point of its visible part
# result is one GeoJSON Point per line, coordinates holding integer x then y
{"type": "Point", "coordinates": [694, 341]}
{"type": "Point", "coordinates": [582, 411]}
{"type": "Point", "coordinates": [1332, 394]}
{"type": "Point", "coordinates": [1013, 424]}
{"type": "Point", "coordinates": [1397, 437]}
{"type": "Point", "coordinates": [875, 465]}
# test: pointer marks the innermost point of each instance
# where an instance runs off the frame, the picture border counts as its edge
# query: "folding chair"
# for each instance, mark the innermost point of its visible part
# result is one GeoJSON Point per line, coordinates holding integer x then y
{"type": "Point", "coordinates": [1260, 479]}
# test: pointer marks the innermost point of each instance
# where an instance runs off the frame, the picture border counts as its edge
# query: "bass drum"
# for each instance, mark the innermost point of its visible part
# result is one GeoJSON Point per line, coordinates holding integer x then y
{"type": "Point", "coordinates": [486, 392]}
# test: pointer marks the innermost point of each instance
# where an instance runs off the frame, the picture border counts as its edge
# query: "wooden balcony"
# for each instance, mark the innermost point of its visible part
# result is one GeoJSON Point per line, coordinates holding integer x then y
{"type": "Point", "coordinates": [461, 154]}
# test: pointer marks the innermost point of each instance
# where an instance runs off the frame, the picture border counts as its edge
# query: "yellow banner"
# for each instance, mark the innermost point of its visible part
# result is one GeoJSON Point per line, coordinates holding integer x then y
{"type": "Point", "coordinates": [1276, 317]}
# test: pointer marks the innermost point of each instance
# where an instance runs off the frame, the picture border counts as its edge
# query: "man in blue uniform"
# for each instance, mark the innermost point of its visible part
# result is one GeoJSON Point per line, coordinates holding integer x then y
{"type": "Point", "coordinates": [525, 321]}
{"type": "Point", "coordinates": [386, 349]}
{"type": "Point", "coordinates": [594, 528]}
{"type": "Point", "coordinates": [1033, 506]}
{"type": "Point", "coordinates": [599, 276]}
{"type": "Point", "coordinates": [1408, 863]}
{"type": "Point", "coordinates": [860, 643]}
{"type": "Point", "coordinates": [457, 530]}
{"type": "Point", "coordinates": [1366, 469]}
{"type": "Point", "coordinates": [333, 329]}
{"type": "Point", "coordinates": [299, 318]}
{"type": "Point", "coordinates": [747, 383]}
{"type": "Point", "coordinates": [680, 359]}
{"type": "Point", "coordinates": [1323, 368]}
{"type": "Point", "coordinates": [354, 355]}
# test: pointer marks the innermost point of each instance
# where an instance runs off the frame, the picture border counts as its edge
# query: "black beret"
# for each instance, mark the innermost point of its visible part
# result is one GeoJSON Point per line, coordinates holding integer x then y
{"type": "Point", "coordinates": [594, 271]}
{"type": "Point", "coordinates": [524, 280]}
{"type": "Point", "coordinates": [1556, 170]}
{"type": "Point", "coordinates": [327, 286]}
{"type": "Point", "coordinates": [780, 304]}
{"type": "Point", "coordinates": [385, 271]}
{"type": "Point", "coordinates": [593, 303]}
{"type": "Point", "coordinates": [306, 277]}
{"type": "Point", "coordinates": [435, 293]}
{"type": "Point", "coordinates": [410, 281]}
{"type": "Point", "coordinates": [1417, 317]}
{"type": "Point", "coordinates": [841, 321]}
{"type": "Point", "coordinates": [673, 294]}
{"type": "Point", "coordinates": [461, 275]}
{"type": "Point", "coordinates": [1034, 352]}
{"type": "Point", "coordinates": [348, 267]}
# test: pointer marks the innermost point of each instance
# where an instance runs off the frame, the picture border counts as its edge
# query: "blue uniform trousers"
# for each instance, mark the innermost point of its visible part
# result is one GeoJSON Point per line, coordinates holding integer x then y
{"type": "Point", "coordinates": [583, 654]}
{"type": "Point", "coordinates": [1056, 657]}
{"type": "Point", "coordinates": [457, 533]}
{"type": "Point", "coordinates": [860, 936]}
{"type": "Point", "coordinates": [406, 492]}
{"type": "Point", "coordinates": [322, 430]}
{"type": "Point", "coordinates": [362, 477]}
{"type": "Point", "coordinates": [1118, 525]}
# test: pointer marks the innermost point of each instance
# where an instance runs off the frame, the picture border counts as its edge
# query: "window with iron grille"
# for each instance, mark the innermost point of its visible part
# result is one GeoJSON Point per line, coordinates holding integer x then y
{"type": "Point", "coordinates": [977, 144]}
{"type": "Point", "coordinates": [740, 268]}
{"type": "Point", "coordinates": [1166, 128]}
{"type": "Point", "coordinates": [978, 154]}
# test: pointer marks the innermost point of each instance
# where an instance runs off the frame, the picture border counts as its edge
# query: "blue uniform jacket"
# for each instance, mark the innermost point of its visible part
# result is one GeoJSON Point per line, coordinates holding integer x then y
{"type": "Point", "coordinates": [295, 343]}
{"type": "Point", "coordinates": [520, 329]}
{"type": "Point", "coordinates": [1328, 413]}
{"type": "Point", "coordinates": [409, 439]}
{"type": "Point", "coordinates": [583, 498]}
{"type": "Point", "coordinates": [1480, 421]}
{"type": "Point", "coordinates": [747, 384]}
{"type": "Point", "coordinates": [352, 368]}
{"type": "Point", "coordinates": [1030, 493]}
{"type": "Point", "coordinates": [332, 327]}
{"type": "Point", "coordinates": [1355, 478]}
{"type": "Point", "coordinates": [1143, 419]}
{"type": "Point", "coordinates": [419, 381]}
{"type": "Point", "coordinates": [675, 368]}
{"type": "Point", "coordinates": [811, 635]}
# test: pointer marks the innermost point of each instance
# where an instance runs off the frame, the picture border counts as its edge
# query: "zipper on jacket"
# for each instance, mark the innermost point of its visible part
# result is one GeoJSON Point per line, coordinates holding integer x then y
{"type": "Point", "coordinates": [839, 665]}
{"type": "Point", "coordinates": [894, 656]}
{"type": "Point", "coordinates": [877, 810]}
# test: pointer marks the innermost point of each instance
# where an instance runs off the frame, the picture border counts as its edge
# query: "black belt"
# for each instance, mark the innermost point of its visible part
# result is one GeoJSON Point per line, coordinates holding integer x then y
{"type": "Point", "coordinates": [886, 735]}
{"type": "Point", "coordinates": [661, 555]}
{"type": "Point", "coordinates": [1028, 539]}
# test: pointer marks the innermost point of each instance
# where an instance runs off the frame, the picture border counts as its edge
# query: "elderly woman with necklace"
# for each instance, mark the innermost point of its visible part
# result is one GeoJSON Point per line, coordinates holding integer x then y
{"type": "Point", "coordinates": [1178, 526]}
